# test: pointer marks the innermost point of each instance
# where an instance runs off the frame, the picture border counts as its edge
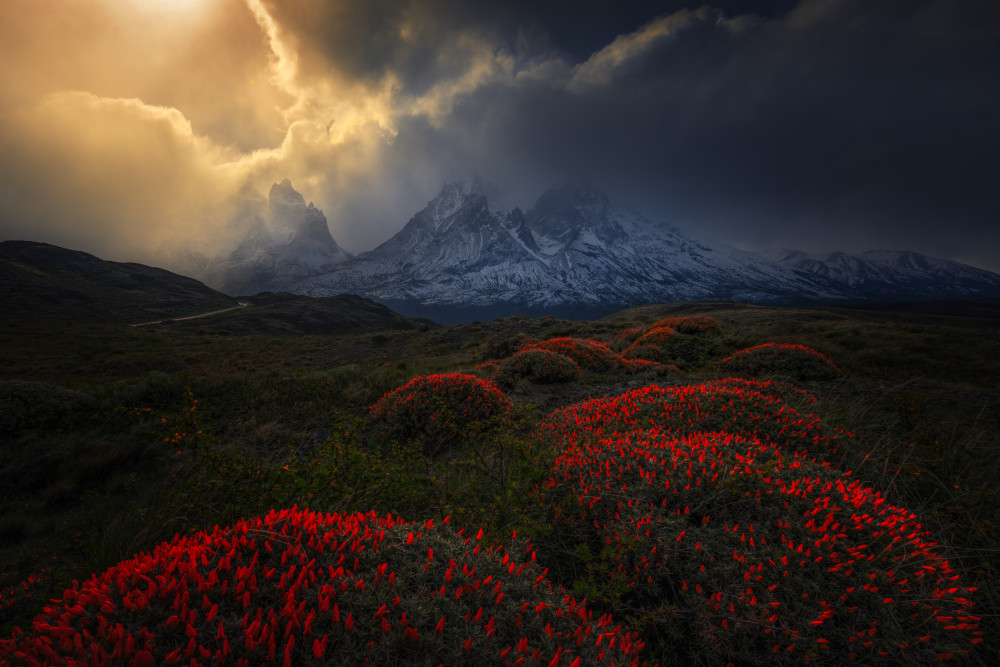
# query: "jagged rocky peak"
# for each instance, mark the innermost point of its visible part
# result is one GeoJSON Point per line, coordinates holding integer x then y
{"type": "Point", "coordinates": [281, 197]}
{"type": "Point", "coordinates": [458, 204]}
{"type": "Point", "coordinates": [286, 242]}
{"type": "Point", "coordinates": [291, 217]}
{"type": "Point", "coordinates": [561, 214]}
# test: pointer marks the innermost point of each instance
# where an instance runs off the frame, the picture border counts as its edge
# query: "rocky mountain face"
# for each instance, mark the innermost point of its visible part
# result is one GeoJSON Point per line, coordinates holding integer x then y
{"type": "Point", "coordinates": [574, 253]}
{"type": "Point", "coordinates": [282, 243]}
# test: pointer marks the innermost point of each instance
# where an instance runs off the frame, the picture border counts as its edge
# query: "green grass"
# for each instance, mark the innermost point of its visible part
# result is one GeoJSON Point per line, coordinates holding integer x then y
{"type": "Point", "coordinates": [282, 421]}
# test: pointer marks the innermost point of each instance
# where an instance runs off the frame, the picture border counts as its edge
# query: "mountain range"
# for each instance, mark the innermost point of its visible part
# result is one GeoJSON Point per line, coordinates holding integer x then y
{"type": "Point", "coordinates": [574, 253]}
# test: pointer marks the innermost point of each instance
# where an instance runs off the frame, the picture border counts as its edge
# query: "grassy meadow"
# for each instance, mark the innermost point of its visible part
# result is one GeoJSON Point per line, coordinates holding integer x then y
{"type": "Point", "coordinates": [116, 439]}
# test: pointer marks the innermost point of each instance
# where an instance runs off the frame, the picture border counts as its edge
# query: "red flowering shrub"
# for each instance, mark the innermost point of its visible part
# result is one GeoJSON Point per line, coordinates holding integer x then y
{"type": "Point", "coordinates": [688, 324]}
{"type": "Point", "coordinates": [652, 345]}
{"type": "Point", "coordinates": [537, 365]}
{"type": "Point", "coordinates": [595, 356]}
{"type": "Point", "coordinates": [734, 547]}
{"type": "Point", "coordinates": [588, 354]}
{"type": "Point", "coordinates": [440, 411]}
{"type": "Point", "coordinates": [786, 391]}
{"type": "Point", "coordinates": [628, 336]}
{"type": "Point", "coordinates": [799, 361]}
{"type": "Point", "coordinates": [747, 408]}
{"type": "Point", "coordinates": [300, 588]}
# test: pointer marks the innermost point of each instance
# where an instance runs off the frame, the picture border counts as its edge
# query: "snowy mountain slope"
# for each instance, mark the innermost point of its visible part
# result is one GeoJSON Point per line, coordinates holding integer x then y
{"type": "Point", "coordinates": [893, 274]}
{"type": "Point", "coordinates": [573, 247]}
{"type": "Point", "coordinates": [593, 242]}
{"type": "Point", "coordinates": [573, 251]}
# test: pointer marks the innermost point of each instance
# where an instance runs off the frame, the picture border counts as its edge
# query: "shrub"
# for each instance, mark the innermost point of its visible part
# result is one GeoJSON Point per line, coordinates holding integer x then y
{"type": "Point", "coordinates": [596, 357]}
{"type": "Point", "coordinates": [688, 324]}
{"type": "Point", "coordinates": [537, 365]}
{"type": "Point", "coordinates": [26, 405]}
{"type": "Point", "coordinates": [156, 390]}
{"type": "Point", "coordinates": [628, 336]}
{"type": "Point", "coordinates": [732, 548]}
{"type": "Point", "coordinates": [784, 391]}
{"type": "Point", "coordinates": [588, 354]}
{"type": "Point", "coordinates": [442, 412]}
{"type": "Point", "coordinates": [501, 348]}
{"type": "Point", "coordinates": [300, 588]}
{"type": "Point", "coordinates": [652, 345]}
{"type": "Point", "coordinates": [798, 361]}
{"type": "Point", "coordinates": [746, 408]}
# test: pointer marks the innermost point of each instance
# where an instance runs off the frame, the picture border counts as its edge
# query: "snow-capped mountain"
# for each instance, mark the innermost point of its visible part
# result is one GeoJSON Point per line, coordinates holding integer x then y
{"type": "Point", "coordinates": [572, 253]}
{"type": "Point", "coordinates": [573, 249]}
{"type": "Point", "coordinates": [284, 243]}
{"type": "Point", "coordinates": [893, 274]}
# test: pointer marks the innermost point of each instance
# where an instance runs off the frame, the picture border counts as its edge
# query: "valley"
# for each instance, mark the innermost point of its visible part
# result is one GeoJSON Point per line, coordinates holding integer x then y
{"type": "Point", "coordinates": [136, 434]}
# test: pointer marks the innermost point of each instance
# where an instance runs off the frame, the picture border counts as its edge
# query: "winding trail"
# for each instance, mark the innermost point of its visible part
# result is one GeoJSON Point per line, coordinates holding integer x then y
{"type": "Point", "coordinates": [241, 304]}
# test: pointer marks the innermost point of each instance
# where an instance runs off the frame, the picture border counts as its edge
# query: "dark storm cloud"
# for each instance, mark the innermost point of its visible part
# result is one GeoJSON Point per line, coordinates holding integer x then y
{"type": "Point", "coordinates": [818, 124]}
{"type": "Point", "coordinates": [838, 124]}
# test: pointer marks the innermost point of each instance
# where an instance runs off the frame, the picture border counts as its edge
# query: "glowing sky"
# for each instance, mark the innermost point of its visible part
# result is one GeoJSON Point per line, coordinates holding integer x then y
{"type": "Point", "coordinates": [134, 128]}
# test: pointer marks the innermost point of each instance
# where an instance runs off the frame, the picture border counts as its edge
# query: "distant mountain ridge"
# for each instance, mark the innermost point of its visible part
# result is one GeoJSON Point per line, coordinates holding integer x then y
{"type": "Point", "coordinates": [883, 274]}
{"type": "Point", "coordinates": [575, 253]}
{"type": "Point", "coordinates": [572, 249]}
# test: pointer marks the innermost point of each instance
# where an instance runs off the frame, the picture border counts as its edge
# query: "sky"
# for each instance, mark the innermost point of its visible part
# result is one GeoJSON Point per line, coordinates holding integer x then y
{"type": "Point", "coordinates": [137, 129]}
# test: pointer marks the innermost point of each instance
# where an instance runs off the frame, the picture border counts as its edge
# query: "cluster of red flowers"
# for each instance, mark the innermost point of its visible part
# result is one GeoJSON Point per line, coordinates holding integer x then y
{"type": "Point", "coordinates": [718, 504]}
{"type": "Point", "coordinates": [300, 588]}
{"type": "Point", "coordinates": [747, 408]}
{"type": "Point", "coordinates": [437, 409]}
{"type": "Point", "coordinates": [593, 355]}
{"type": "Point", "coordinates": [804, 362]}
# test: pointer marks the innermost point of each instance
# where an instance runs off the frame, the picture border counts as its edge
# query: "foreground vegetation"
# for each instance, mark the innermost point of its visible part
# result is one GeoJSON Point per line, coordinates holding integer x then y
{"type": "Point", "coordinates": [120, 440]}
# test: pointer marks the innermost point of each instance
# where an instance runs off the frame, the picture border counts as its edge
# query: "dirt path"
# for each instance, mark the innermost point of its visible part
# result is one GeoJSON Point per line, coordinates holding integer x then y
{"type": "Point", "coordinates": [193, 317]}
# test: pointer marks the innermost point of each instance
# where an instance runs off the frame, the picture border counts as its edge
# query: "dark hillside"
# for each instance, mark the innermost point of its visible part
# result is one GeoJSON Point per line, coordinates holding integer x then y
{"type": "Point", "coordinates": [42, 281]}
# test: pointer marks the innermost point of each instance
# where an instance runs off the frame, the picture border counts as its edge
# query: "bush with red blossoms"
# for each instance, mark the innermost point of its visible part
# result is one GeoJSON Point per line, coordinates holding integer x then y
{"type": "Point", "coordinates": [731, 546]}
{"type": "Point", "coordinates": [588, 354]}
{"type": "Point", "coordinates": [797, 361]}
{"type": "Point", "coordinates": [596, 357]}
{"type": "Point", "coordinates": [300, 588]}
{"type": "Point", "coordinates": [442, 412]}
{"type": "Point", "coordinates": [747, 408]}
{"type": "Point", "coordinates": [628, 336]}
{"type": "Point", "coordinates": [785, 391]}
{"type": "Point", "coordinates": [688, 324]}
{"type": "Point", "coordinates": [652, 345]}
{"type": "Point", "coordinates": [534, 365]}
